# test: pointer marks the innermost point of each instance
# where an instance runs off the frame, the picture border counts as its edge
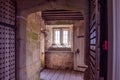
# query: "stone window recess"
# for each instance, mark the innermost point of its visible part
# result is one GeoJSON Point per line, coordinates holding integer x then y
{"type": "Point", "coordinates": [61, 37]}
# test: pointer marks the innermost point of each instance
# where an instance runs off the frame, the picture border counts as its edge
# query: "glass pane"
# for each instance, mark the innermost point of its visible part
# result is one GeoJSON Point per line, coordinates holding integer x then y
{"type": "Point", "coordinates": [57, 37]}
{"type": "Point", "coordinates": [65, 37]}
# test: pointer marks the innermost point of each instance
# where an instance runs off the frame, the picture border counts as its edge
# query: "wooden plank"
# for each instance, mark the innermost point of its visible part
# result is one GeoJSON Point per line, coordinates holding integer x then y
{"type": "Point", "coordinates": [67, 75]}
{"type": "Point", "coordinates": [63, 18]}
{"type": "Point", "coordinates": [56, 75]}
{"type": "Point", "coordinates": [73, 75]}
{"type": "Point", "coordinates": [79, 76]}
{"type": "Point", "coordinates": [61, 75]}
{"type": "Point", "coordinates": [61, 15]}
{"type": "Point", "coordinates": [69, 13]}
{"type": "Point", "coordinates": [50, 74]}
{"type": "Point", "coordinates": [45, 73]}
{"type": "Point", "coordinates": [60, 12]}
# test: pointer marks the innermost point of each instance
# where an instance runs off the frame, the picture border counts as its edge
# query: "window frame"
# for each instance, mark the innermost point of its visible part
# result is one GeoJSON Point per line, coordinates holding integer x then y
{"type": "Point", "coordinates": [61, 36]}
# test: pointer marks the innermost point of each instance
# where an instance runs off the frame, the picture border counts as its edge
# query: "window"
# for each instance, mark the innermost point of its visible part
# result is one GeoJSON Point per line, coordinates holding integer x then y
{"type": "Point", "coordinates": [57, 37]}
{"type": "Point", "coordinates": [65, 37]}
{"type": "Point", "coordinates": [61, 37]}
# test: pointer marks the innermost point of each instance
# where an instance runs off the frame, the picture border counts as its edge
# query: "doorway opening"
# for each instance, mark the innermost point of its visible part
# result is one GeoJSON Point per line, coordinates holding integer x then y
{"type": "Point", "coordinates": [41, 41]}
{"type": "Point", "coordinates": [56, 40]}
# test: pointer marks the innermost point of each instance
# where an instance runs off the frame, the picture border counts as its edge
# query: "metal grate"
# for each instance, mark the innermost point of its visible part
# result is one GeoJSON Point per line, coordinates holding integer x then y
{"type": "Point", "coordinates": [94, 36]}
{"type": "Point", "coordinates": [7, 40]}
{"type": "Point", "coordinates": [7, 12]}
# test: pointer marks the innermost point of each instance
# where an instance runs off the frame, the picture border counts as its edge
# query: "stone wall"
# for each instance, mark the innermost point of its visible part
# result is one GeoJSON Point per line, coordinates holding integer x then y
{"type": "Point", "coordinates": [42, 50]}
{"type": "Point", "coordinates": [59, 60]}
{"type": "Point", "coordinates": [28, 47]}
{"type": "Point", "coordinates": [33, 47]}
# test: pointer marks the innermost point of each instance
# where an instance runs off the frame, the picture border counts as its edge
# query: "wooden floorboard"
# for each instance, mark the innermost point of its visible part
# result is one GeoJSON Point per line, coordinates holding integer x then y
{"type": "Point", "coordinates": [79, 76]}
{"type": "Point", "coordinates": [73, 76]}
{"type": "Point", "coordinates": [61, 75]}
{"type": "Point", "coordinates": [45, 74]}
{"type": "Point", "coordinates": [48, 74]}
{"type": "Point", "coordinates": [67, 75]}
{"type": "Point", "coordinates": [56, 75]}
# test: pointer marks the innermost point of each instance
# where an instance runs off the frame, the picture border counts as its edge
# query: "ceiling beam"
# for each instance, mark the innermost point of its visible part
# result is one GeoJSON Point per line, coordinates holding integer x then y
{"type": "Point", "coordinates": [61, 15]}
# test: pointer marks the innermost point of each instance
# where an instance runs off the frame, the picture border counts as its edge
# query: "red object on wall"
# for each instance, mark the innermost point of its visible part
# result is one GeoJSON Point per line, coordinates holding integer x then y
{"type": "Point", "coordinates": [105, 45]}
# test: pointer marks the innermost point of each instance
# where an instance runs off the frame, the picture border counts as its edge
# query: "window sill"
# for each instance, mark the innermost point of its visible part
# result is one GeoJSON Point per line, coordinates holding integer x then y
{"type": "Point", "coordinates": [59, 50]}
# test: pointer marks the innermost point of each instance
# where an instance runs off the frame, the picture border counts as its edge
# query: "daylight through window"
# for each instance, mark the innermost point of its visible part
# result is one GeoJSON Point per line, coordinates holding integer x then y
{"type": "Point", "coordinates": [61, 37]}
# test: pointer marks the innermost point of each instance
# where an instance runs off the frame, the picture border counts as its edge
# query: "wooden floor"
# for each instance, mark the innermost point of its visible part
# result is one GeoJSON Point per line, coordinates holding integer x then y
{"type": "Point", "coordinates": [48, 74]}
